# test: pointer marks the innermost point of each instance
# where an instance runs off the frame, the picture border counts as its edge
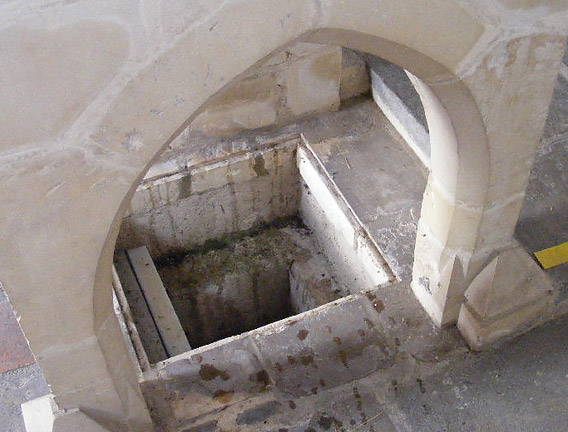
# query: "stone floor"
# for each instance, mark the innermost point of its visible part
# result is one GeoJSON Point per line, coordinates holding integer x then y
{"type": "Point", "coordinates": [520, 386]}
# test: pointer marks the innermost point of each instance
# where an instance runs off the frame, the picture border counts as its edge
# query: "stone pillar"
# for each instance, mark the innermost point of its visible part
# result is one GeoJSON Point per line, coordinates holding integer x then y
{"type": "Point", "coordinates": [507, 292]}
{"type": "Point", "coordinates": [55, 233]}
{"type": "Point", "coordinates": [465, 250]}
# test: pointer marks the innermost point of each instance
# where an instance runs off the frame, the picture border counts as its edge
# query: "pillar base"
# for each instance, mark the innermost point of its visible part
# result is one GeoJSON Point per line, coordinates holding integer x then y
{"type": "Point", "coordinates": [510, 296]}
{"type": "Point", "coordinates": [480, 333]}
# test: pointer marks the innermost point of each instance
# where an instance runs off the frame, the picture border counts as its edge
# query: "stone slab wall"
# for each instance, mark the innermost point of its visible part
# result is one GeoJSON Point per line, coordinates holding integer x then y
{"type": "Point", "coordinates": [290, 85]}
{"type": "Point", "coordinates": [185, 209]}
{"type": "Point", "coordinates": [237, 286]}
{"type": "Point", "coordinates": [317, 350]}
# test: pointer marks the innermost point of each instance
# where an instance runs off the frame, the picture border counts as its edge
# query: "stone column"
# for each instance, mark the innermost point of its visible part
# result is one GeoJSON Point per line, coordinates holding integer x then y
{"type": "Point", "coordinates": [465, 250]}
{"type": "Point", "coordinates": [507, 292]}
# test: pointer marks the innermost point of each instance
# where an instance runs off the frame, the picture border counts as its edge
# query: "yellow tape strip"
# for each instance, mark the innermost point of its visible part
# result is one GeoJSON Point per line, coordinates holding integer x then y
{"type": "Point", "coordinates": [553, 256]}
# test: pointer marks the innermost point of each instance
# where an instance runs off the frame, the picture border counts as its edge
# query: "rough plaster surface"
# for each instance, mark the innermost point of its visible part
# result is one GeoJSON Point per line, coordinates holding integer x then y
{"type": "Point", "coordinates": [239, 286]}
{"type": "Point", "coordinates": [64, 65]}
{"type": "Point", "coordinates": [174, 66]}
{"type": "Point", "coordinates": [205, 202]}
{"type": "Point", "coordinates": [438, 407]}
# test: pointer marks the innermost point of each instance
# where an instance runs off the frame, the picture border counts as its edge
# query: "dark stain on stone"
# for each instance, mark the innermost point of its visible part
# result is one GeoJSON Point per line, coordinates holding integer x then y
{"type": "Point", "coordinates": [278, 367]}
{"type": "Point", "coordinates": [263, 378]}
{"type": "Point", "coordinates": [424, 282]}
{"type": "Point", "coordinates": [282, 430]}
{"type": "Point", "coordinates": [309, 430]}
{"type": "Point", "coordinates": [291, 323]}
{"type": "Point", "coordinates": [199, 359]}
{"type": "Point", "coordinates": [306, 359]}
{"type": "Point", "coordinates": [378, 305]}
{"type": "Point", "coordinates": [361, 333]}
{"type": "Point", "coordinates": [223, 396]}
{"type": "Point", "coordinates": [291, 360]}
{"type": "Point", "coordinates": [397, 341]}
{"type": "Point", "coordinates": [210, 426]}
{"type": "Point", "coordinates": [343, 357]}
{"type": "Point", "coordinates": [258, 413]}
{"type": "Point", "coordinates": [326, 422]}
{"type": "Point", "coordinates": [369, 323]}
{"type": "Point", "coordinates": [303, 334]}
{"type": "Point", "coordinates": [411, 322]}
{"type": "Point", "coordinates": [322, 382]}
{"type": "Point", "coordinates": [337, 340]}
{"type": "Point", "coordinates": [358, 399]}
{"type": "Point", "coordinates": [421, 385]}
{"type": "Point", "coordinates": [292, 404]}
{"type": "Point", "coordinates": [356, 393]}
{"type": "Point", "coordinates": [315, 390]}
{"type": "Point", "coordinates": [259, 166]}
{"type": "Point", "coordinates": [328, 328]}
{"type": "Point", "coordinates": [185, 187]}
{"type": "Point", "coordinates": [209, 372]}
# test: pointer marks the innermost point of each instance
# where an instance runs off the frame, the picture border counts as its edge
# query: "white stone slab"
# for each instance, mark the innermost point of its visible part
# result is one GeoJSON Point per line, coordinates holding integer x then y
{"type": "Point", "coordinates": [161, 308]}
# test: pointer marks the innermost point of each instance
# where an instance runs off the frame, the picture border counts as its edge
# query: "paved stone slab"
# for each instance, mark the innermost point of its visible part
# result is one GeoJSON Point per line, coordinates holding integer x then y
{"type": "Point", "coordinates": [206, 380]}
{"type": "Point", "coordinates": [521, 387]}
{"type": "Point", "coordinates": [329, 347]}
{"type": "Point", "coordinates": [14, 350]}
{"type": "Point", "coordinates": [393, 179]}
{"type": "Point", "coordinates": [543, 221]}
{"type": "Point", "coordinates": [16, 387]}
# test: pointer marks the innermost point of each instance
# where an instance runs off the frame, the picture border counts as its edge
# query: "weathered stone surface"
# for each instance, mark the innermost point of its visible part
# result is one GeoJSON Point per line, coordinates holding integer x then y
{"type": "Point", "coordinates": [355, 79]}
{"type": "Point", "coordinates": [326, 348]}
{"type": "Point", "coordinates": [303, 79]}
{"type": "Point", "coordinates": [68, 64]}
{"type": "Point", "coordinates": [395, 94]}
{"type": "Point", "coordinates": [195, 383]}
{"type": "Point", "coordinates": [188, 207]}
{"type": "Point", "coordinates": [61, 208]}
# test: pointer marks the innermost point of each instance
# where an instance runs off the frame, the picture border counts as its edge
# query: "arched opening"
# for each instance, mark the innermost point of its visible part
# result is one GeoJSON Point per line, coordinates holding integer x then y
{"type": "Point", "coordinates": [444, 185]}
{"type": "Point", "coordinates": [147, 114]}
{"type": "Point", "coordinates": [248, 223]}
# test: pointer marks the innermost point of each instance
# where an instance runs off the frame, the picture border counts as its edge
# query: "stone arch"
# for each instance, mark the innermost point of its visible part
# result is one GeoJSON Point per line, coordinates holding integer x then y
{"type": "Point", "coordinates": [167, 93]}
{"type": "Point", "coordinates": [456, 189]}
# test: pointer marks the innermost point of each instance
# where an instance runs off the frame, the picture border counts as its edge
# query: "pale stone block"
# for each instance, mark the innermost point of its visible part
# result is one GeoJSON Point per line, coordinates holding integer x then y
{"type": "Point", "coordinates": [62, 72]}
{"type": "Point", "coordinates": [481, 334]}
{"type": "Point", "coordinates": [312, 85]}
{"type": "Point", "coordinates": [38, 414]}
{"type": "Point", "coordinates": [498, 224]}
{"type": "Point", "coordinates": [228, 172]}
{"type": "Point", "coordinates": [505, 298]}
{"type": "Point", "coordinates": [340, 231]}
{"type": "Point", "coordinates": [325, 198]}
{"type": "Point", "coordinates": [227, 120]}
{"type": "Point", "coordinates": [354, 79]}
{"type": "Point", "coordinates": [510, 281]}
{"type": "Point", "coordinates": [443, 217]}
{"type": "Point", "coordinates": [368, 18]}
{"type": "Point", "coordinates": [76, 420]}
